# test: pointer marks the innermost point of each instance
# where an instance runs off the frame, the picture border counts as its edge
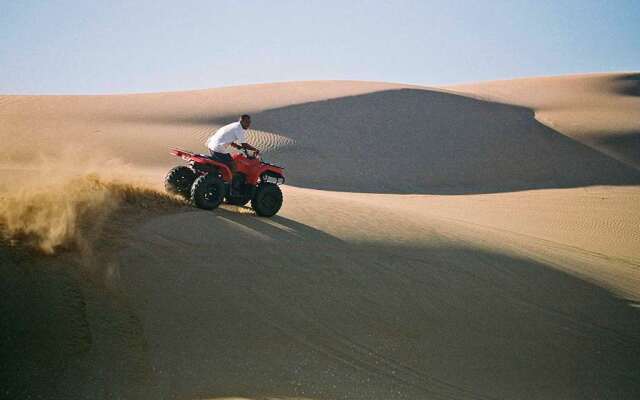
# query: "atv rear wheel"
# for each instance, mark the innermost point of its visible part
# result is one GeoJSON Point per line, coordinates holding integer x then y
{"type": "Point", "coordinates": [267, 200]}
{"type": "Point", "coordinates": [207, 192]}
{"type": "Point", "coordinates": [179, 180]}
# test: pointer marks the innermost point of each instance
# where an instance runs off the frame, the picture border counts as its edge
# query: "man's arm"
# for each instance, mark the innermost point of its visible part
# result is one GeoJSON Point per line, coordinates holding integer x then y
{"type": "Point", "coordinates": [244, 146]}
{"type": "Point", "coordinates": [250, 147]}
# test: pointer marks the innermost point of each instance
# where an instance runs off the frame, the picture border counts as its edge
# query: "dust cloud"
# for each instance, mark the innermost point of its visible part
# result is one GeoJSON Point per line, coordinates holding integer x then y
{"type": "Point", "coordinates": [68, 207]}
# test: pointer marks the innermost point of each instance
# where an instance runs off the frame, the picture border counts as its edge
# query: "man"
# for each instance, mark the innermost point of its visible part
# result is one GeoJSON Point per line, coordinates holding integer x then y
{"type": "Point", "coordinates": [226, 136]}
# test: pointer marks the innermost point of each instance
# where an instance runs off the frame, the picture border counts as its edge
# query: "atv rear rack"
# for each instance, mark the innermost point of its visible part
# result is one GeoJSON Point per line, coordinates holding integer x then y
{"type": "Point", "coordinates": [185, 155]}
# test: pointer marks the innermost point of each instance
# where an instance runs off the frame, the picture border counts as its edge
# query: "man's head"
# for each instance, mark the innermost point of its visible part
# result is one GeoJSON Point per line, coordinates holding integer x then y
{"type": "Point", "coordinates": [245, 121]}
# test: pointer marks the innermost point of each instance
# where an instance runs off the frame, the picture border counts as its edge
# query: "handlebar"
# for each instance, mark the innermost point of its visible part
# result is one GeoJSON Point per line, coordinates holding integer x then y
{"type": "Point", "coordinates": [246, 153]}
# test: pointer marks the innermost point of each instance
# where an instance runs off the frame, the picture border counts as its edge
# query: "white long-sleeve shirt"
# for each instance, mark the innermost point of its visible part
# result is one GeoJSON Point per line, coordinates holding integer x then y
{"type": "Point", "coordinates": [220, 141]}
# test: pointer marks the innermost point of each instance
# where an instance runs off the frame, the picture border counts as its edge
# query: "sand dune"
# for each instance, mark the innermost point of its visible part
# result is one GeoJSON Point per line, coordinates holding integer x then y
{"type": "Point", "coordinates": [467, 242]}
{"type": "Point", "coordinates": [601, 110]}
{"type": "Point", "coordinates": [354, 137]}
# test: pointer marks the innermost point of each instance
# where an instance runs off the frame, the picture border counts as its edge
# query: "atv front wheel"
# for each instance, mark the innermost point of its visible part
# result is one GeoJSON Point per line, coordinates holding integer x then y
{"type": "Point", "coordinates": [207, 192]}
{"type": "Point", "coordinates": [267, 200]}
{"type": "Point", "coordinates": [179, 180]}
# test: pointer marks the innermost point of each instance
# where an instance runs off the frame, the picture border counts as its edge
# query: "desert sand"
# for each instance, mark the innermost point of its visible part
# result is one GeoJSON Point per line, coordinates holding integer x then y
{"type": "Point", "coordinates": [476, 241]}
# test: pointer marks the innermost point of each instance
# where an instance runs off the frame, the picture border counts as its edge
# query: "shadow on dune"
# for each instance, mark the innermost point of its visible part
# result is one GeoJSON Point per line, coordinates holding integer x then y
{"type": "Point", "coordinates": [625, 145]}
{"type": "Point", "coordinates": [65, 334]}
{"type": "Point", "coordinates": [422, 142]}
{"type": "Point", "coordinates": [259, 311]}
{"type": "Point", "coordinates": [42, 323]}
{"type": "Point", "coordinates": [419, 141]}
{"type": "Point", "coordinates": [276, 228]}
{"type": "Point", "coordinates": [628, 84]}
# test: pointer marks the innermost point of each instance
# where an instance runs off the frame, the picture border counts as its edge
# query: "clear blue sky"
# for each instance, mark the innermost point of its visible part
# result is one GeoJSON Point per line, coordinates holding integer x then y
{"type": "Point", "coordinates": [118, 46]}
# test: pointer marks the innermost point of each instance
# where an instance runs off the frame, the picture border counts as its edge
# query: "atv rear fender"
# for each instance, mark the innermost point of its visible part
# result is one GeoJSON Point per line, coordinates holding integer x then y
{"type": "Point", "coordinates": [203, 164]}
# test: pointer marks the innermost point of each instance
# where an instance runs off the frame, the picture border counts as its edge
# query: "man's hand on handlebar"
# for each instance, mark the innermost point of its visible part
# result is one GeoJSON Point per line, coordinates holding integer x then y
{"type": "Point", "coordinates": [247, 146]}
{"type": "Point", "coordinates": [256, 153]}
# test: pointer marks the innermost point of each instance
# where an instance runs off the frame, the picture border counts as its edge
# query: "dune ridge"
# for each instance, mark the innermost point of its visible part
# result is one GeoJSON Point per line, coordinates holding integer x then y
{"type": "Point", "coordinates": [360, 136]}
{"type": "Point", "coordinates": [600, 110]}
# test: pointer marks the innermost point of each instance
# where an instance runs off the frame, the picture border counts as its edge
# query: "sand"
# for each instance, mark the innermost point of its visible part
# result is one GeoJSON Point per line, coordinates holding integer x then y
{"type": "Point", "coordinates": [472, 241]}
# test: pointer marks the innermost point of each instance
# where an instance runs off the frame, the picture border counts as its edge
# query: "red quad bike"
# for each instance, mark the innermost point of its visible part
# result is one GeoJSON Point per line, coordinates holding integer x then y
{"type": "Point", "coordinates": [207, 182]}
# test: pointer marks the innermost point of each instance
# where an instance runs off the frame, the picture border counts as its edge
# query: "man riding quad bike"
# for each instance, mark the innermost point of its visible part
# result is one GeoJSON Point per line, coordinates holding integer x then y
{"type": "Point", "coordinates": [209, 180]}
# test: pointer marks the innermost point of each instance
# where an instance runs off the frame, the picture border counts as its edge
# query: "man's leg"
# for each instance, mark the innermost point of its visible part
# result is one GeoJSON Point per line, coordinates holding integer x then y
{"type": "Point", "coordinates": [224, 158]}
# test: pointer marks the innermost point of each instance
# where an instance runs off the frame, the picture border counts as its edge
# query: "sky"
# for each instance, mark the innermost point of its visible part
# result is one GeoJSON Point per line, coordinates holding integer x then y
{"type": "Point", "coordinates": [113, 46]}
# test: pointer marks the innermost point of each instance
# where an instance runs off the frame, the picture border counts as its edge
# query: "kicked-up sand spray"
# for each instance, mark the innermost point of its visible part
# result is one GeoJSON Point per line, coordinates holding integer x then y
{"type": "Point", "coordinates": [69, 211]}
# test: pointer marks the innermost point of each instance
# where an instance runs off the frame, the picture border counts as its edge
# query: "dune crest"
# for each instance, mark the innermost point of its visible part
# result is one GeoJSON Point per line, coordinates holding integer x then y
{"type": "Point", "coordinates": [599, 110]}
{"type": "Point", "coordinates": [363, 136]}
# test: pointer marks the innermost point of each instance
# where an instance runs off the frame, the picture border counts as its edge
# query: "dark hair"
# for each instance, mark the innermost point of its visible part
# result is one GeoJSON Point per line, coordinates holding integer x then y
{"type": "Point", "coordinates": [245, 116]}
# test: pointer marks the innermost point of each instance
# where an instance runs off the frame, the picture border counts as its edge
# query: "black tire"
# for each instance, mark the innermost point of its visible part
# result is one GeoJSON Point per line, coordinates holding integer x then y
{"type": "Point", "coordinates": [207, 192]}
{"type": "Point", "coordinates": [267, 200]}
{"type": "Point", "coordinates": [237, 200]}
{"type": "Point", "coordinates": [179, 180]}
